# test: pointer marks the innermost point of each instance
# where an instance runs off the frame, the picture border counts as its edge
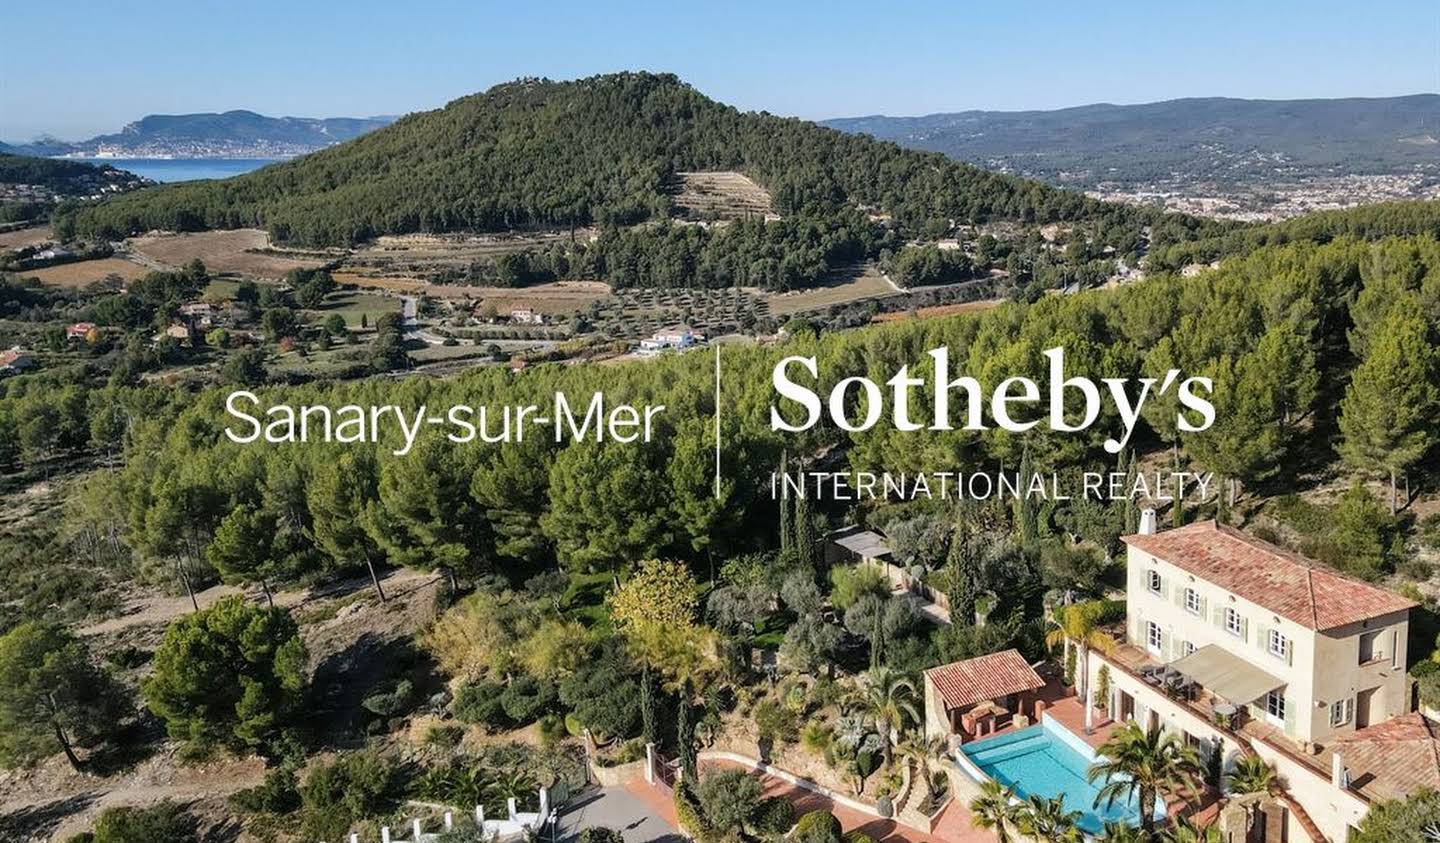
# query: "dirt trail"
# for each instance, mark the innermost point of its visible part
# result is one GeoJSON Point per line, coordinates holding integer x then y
{"type": "Point", "coordinates": [155, 610]}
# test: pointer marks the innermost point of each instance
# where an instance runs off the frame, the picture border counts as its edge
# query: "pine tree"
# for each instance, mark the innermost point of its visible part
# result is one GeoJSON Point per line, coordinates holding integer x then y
{"type": "Point", "coordinates": [1388, 415]}
{"type": "Point", "coordinates": [1132, 512]}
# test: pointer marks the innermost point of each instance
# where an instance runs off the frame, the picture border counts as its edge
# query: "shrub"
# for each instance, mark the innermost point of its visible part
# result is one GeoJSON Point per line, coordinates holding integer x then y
{"type": "Point", "coordinates": [336, 796]}
{"type": "Point", "coordinates": [444, 734]}
{"type": "Point", "coordinates": [275, 795]}
{"type": "Point", "coordinates": [850, 584]}
{"type": "Point", "coordinates": [884, 807]}
{"type": "Point", "coordinates": [165, 821]}
{"type": "Point", "coordinates": [525, 699]}
{"type": "Point", "coordinates": [775, 722]}
{"type": "Point", "coordinates": [552, 729]}
{"type": "Point", "coordinates": [775, 815]}
{"type": "Point", "coordinates": [817, 827]}
{"type": "Point", "coordinates": [728, 799]}
{"type": "Point", "coordinates": [392, 702]}
{"type": "Point", "coordinates": [478, 704]}
{"type": "Point", "coordinates": [601, 834]}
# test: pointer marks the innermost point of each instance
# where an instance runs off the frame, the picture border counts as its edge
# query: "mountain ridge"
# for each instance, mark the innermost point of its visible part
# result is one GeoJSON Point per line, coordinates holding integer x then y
{"type": "Point", "coordinates": [1219, 138]}
{"type": "Point", "coordinates": [234, 133]}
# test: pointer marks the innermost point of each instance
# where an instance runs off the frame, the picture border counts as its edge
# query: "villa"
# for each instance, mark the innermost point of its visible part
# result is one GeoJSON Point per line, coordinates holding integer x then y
{"type": "Point", "coordinates": [1241, 646]}
{"type": "Point", "coordinates": [677, 337]}
{"type": "Point", "coordinates": [1238, 647]}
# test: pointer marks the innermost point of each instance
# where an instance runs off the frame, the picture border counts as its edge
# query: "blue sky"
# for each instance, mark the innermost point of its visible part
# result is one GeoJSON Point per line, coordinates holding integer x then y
{"type": "Point", "coordinates": [87, 67]}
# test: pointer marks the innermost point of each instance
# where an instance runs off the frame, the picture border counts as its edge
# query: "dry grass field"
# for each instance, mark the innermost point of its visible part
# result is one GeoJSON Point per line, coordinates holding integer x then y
{"type": "Point", "coordinates": [240, 252]}
{"type": "Point", "coordinates": [84, 273]}
{"type": "Point", "coordinates": [22, 237]}
{"type": "Point", "coordinates": [560, 298]}
{"type": "Point", "coordinates": [845, 286]}
{"type": "Point", "coordinates": [720, 195]}
{"type": "Point", "coordinates": [939, 310]}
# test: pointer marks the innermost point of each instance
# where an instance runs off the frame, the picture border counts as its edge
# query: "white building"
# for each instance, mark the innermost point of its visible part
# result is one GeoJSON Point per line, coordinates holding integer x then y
{"type": "Point", "coordinates": [1239, 644]}
{"type": "Point", "coordinates": [678, 337]}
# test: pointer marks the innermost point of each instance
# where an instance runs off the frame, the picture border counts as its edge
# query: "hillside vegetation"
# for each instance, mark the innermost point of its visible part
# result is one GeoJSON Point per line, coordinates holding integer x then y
{"type": "Point", "coordinates": [595, 151]}
{"type": "Point", "coordinates": [1214, 138]}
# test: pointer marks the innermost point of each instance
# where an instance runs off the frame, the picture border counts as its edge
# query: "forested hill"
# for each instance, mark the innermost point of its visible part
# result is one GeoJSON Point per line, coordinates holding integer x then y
{"type": "Point", "coordinates": [1212, 138]}
{"type": "Point", "coordinates": [596, 150]}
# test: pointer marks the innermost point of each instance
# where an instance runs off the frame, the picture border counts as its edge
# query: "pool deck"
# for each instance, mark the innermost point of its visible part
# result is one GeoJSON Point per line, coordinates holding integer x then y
{"type": "Point", "coordinates": [954, 825]}
{"type": "Point", "coordinates": [1069, 711]}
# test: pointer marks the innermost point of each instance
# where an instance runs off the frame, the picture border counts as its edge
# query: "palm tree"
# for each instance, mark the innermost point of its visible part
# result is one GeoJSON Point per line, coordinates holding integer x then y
{"type": "Point", "coordinates": [1184, 831]}
{"type": "Point", "coordinates": [922, 750]}
{"type": "Point", "coordinates": [1120, 832]}
{"type": "Point", "coordinates": [887, 699]}
{"type": "Point", "coordinates": [1139, 764]}
{"type": "Point", "coordinates": [1252, 775]}
{"type": "Point", "coordinates": [1078, 625]}
{"type": "Point", "coordinates": [1047, 820]}
{"type": "Point", "coordinates": [995, 809]}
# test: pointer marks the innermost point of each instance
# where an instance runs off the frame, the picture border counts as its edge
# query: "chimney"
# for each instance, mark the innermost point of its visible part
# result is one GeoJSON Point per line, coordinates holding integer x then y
{"type": "Point", "coordinates": [1147, 522]}
{"type": "Point", "coordinates": [1339, 776]}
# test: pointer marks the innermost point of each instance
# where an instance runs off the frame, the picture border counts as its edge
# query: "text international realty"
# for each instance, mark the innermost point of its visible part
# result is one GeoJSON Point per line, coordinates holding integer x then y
{"type": "Point", "coordinates": [1159, 486]}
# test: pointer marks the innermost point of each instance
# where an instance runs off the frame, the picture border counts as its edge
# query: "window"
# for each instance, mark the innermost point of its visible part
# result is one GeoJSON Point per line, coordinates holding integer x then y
{"type": "Point", "coordinates": [1154, 638]}
{"type": "Point", "coordinates": [1234, 624]}
{"type": "Point", "coordinates": [1186, 648]}
{"type": "Point", "coordinates": [1372, 646]}
{"type": "Point", "coordinates": [1278, 645]}
{"type": "Point", "coordinates": [1153, 581]}
{"type": "Point", "coordinates": [1341, 711]}
{"type": "Point", "coordinates": [1192, 601]}
{"type": "Point", "coordinates": [1275, 706]}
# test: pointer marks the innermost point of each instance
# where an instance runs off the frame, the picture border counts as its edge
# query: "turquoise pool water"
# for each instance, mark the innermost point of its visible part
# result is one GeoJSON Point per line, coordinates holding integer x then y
{"type": "Point", "coordinates": [1047, 760]}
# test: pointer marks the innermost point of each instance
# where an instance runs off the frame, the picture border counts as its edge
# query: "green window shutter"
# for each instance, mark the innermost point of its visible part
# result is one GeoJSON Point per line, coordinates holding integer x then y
{"type": "Point", "coordinates": [1262, 636]}
{"type": "Point", "coordinates": [1289, 651]}
{"type": "Point", "coordinates": [1179, 596]}
{"type": "Point", "coordinates": [1204, 604]}
{"type": "Point", "coordinates": [1165, 587]}
{"type": "Point", "coordinates": [1289, 717]}
{"type": "Point", "coordinates": [1220, 616]}
{"type": "Point", "coordinates": [1244, 629]}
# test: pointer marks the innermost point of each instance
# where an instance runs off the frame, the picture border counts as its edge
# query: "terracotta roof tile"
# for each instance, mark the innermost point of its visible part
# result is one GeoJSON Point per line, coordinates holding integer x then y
{"type": "Point", "coordinates": [1393, 759]}
{"type": "Point", "coordinates": [1285, 583]}
{"type": "Point", "coordinates": [984, 678]}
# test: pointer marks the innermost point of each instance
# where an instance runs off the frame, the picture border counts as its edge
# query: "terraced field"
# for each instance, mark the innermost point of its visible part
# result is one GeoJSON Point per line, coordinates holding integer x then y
{"type": "Point", "coordinates": [724, 195]}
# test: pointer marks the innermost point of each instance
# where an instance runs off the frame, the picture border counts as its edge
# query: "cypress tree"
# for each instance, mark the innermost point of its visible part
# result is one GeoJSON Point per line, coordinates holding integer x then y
{"type": "Point", "coordinates": [804, 527]}
{"type": "Point", "coordinates": [650, 722]}
{"type": "Point", "coordinates": [787, 525]}
{"type": "Point", "coordinates": [1026, 520]}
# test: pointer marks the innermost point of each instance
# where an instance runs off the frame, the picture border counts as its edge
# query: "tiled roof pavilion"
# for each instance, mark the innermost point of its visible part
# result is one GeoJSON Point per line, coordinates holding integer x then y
{"type": "Point", "coordinates": [984, 678]}
{"type": "Point", "coordinates": [1291, 586]}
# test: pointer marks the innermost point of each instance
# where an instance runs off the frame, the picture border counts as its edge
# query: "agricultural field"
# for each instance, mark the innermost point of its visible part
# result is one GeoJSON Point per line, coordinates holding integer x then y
{"type": "Point", "coordinates": [637, 313]}
{"type": "Point", "coordinates": [22, 237]}
{"type": "Point", "coordinates": [938, 310]}
{"type": "Point", "coordinates": [844, 286]}
{"type": "Point", "coordinates": [245, 251]}
{"type": "Point", "coordinates": [429, 256]}
{"type": "Point", "coordinates": [354, 305]}
{"type": "Point", "coordinates": [560, 298]}
{"type": "Point", "coordinates": [85, 273]}
{"type": "Point", "coordinates": [720, 196]}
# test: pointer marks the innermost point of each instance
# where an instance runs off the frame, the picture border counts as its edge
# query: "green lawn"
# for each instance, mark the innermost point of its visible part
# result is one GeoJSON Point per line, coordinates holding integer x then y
{"type": "Point", "coordinates": [353, 304]}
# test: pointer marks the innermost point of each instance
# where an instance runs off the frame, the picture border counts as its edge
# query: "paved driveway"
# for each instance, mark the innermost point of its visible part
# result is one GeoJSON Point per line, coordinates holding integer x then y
{"type": "Point", "coordinates": [617, 808]}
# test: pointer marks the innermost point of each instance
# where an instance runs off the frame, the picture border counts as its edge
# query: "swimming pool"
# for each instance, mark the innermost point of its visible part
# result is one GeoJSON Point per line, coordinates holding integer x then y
{"type": "Point", "coordinates": [1048, 760]}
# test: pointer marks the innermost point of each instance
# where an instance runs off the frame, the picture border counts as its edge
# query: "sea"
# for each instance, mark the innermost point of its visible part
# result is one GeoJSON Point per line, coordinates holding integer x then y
{"type": "Point", "coordinates": [184, 169]}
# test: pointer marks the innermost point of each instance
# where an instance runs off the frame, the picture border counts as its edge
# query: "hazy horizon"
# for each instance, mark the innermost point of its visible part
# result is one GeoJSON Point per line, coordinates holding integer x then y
{"type": "Point", "coordinates": [805, 60]}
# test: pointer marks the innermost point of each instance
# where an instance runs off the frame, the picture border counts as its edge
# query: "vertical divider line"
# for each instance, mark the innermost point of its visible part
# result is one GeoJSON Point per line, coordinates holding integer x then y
{"type": "Point", "coordinates": [717, 421]}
